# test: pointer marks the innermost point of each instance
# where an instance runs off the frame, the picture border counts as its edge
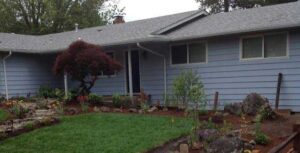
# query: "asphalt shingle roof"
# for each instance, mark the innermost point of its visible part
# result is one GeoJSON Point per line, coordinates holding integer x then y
{"type": "Point", "coordinates": [256, 19]}
{"type": "Point", "coordinates": [239, 21]}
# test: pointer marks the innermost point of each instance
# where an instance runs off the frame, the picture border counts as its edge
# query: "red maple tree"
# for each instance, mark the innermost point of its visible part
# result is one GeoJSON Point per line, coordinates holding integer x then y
{"type": "Point", "coordinates": [84, 62]}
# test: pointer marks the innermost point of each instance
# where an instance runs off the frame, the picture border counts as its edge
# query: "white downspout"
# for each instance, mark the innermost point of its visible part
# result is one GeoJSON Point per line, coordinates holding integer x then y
{"type": "Point", "coordinates": [165, 66]}
{"type": "Point", "coordinates": [66, 84]}
{"type": "Point", "coordinates": [5, 76]}
{"type": "Point", "coordinates": [130, 74]}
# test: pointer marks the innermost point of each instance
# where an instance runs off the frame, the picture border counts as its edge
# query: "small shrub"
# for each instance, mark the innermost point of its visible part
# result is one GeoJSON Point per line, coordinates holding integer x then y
{"type": "Point", "coordinates": [126, 101]}
{"type": "Point", "coordinates": [145, 107]}
{"type": "Point", "coordinates": [84, 107]}
{"type": "Point", "coordinates": [167, 100]}
{"type": "Point", "coordinates": [95, 99]}
{"type": "Point", "coordinates": [143, 97]}
{"type": "Point", "coordinates": [2, 98]}
{"type": "Point", "coordinates": [117, 101]}
{"type": "Point", "coordinates": [208, 124]}
{"type": "Point", "coordinates": [18, 111]}
{"type": "Point", "coordinates": [260, 137]}
{"type": "Point", "coordinates": [226, 127]}
{"type": "Point", "coordinates": [29, 126]}
{"type": "Point", "coordinates": [187, 87]}
{"type": "Point", "coordinates": [46, 92]}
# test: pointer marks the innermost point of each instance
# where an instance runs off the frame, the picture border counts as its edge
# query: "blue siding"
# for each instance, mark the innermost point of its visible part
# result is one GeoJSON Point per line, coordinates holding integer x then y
{"type": "Point", "coordinates": [224, 72]}
{"type": "Point", "coordinates": [113, 84]}
{"type": "Point", "coordinates": [26, 73]}
{"type": "Point", "coordinates": [234, 79]}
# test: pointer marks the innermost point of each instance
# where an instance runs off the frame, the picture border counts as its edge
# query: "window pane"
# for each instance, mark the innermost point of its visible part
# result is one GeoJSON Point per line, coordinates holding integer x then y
{"type": "Point", "coordinates": [252, 47]}
{"type": "Point", "coordinates": [275, 45]}
{"type": "Point", "coordinates": [179, 54]}
{"type": "Point", "coordinates": [197, 53]}
{"type": "Point", "coordinates": [111, 54]}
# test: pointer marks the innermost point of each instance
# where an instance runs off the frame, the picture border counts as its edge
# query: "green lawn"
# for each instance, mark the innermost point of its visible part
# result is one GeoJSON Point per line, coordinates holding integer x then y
{"type": "Point", "coordinates": [99, 133]}
{"type": "Point", "coordinates": [3, 115]}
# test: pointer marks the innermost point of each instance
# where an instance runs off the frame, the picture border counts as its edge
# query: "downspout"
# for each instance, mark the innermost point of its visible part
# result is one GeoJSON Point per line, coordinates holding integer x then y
{"type": "Point", "coordinates": [165, 66]}
{"type": "Point", "coordinates": [5, 76]}
{"type": "Point", "coordinates": [66, 84]}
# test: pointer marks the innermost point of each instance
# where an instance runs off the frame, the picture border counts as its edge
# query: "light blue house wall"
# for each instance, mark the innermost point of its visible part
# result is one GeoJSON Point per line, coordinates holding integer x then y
{"type": "Point", "coordinates": [224, 72]}
{"type": "Point", "coordinates": [227, 74]}
{"type": "Point", "coordinates": [27, 72]}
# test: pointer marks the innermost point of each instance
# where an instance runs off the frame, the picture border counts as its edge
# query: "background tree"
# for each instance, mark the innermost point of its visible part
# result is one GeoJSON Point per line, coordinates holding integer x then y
{"type": "Point", "coordinates": [216, 6]}
{"type": "Point", "coordinates": [84, 62]}
{"type": "Point", "coordinates": [51, 16]}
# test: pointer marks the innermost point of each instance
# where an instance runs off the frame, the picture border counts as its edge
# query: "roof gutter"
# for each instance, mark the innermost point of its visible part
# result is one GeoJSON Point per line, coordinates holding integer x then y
{"type": "Point", "coordinates": [5, 75]}
{"type": "Point", "coordinates": [165, 66]}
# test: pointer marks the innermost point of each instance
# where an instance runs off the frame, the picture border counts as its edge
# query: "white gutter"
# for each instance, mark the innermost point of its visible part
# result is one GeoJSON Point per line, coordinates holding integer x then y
{"type": "Point", "coordinates": [165, 66]}
{"type": "Point", "coordinates": [5, 76]}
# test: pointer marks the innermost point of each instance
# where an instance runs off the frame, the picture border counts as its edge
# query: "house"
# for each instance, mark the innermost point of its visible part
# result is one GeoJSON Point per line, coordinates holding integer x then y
{"type": "Point", "coordinates": [235, 53]}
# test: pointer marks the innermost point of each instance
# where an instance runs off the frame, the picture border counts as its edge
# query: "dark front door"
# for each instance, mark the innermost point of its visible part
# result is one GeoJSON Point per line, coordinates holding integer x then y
{"type": "Point", "coordinates": [135, 71]}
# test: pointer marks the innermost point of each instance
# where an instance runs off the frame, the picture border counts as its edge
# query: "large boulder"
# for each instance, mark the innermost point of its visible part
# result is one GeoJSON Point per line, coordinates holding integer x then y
{"type": "Point", "coordinates": [226, 144]}
{"type": "Point", "coordinates": [253, 102]}
{"type": "Point", "coordinates": [234, 108]}
{"type": "Point", "coordinates": [208, 135]}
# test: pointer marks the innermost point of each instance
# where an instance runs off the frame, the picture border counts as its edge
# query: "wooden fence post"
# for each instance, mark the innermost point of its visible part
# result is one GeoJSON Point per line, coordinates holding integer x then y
{"type": "Point", "coordinates": [216, 100]}
{"type": "Point", "coordinates": [296, 144]}
{"type": "Point", "coordinates": [278, 90]}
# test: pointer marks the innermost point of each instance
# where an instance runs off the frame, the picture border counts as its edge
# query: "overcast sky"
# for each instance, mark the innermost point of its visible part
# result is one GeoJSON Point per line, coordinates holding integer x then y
{"type": "Point", "coordinates": [143, 9]}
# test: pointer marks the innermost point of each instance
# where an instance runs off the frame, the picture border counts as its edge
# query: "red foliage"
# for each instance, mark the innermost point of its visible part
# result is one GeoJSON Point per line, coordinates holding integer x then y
{"type": "Point", "coordinates": [84, 62]}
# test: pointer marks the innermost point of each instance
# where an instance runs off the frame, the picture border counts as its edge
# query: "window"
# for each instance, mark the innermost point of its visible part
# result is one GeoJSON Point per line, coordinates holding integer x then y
{"type": "Point", "coordinates": [179, 54]}
{"type": "Point", "coordinates": [197, 53]}
{"type": "Point", "coordinates": [252, 47]}
{"type": "Point", "coordinates": [276, 45]}
{"type": "Point", "coordinates": [189, 53]}
{"type": "Point", "coordinates": [107, 73]}
{"type": "Point", "coordinates": [264, 46]}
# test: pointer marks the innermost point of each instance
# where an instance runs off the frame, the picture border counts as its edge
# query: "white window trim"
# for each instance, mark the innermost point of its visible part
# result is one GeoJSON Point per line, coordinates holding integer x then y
{"type": "Point", "coordinates": [109, 76]}
{"type": "Point", "coordinates": [263, 46]}
{"type": "Point", "coordinates": [188, 51]}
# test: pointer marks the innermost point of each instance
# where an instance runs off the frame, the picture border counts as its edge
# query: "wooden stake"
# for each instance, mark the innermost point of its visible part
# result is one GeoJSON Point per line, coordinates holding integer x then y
{"type": "Point", "coordinates": [216, 100]}
{"type": "Point", "coordinates": [278, 90]}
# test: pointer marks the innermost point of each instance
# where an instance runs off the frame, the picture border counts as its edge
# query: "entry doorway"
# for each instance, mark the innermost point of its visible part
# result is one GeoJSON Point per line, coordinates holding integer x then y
{"type": "Point", "coordinates": [135, 71]}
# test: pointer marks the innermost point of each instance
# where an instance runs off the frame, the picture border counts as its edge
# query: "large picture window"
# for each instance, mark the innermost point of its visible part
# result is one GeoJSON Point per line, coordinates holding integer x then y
{"type": "Point", "coordinates": [264, 46]}
{"type": "Point", "coordinates": [189, 53]}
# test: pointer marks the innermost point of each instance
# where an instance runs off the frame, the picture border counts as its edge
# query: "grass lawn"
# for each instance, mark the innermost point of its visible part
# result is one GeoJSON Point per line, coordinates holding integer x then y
{"type": "Point", "coordinates": [3, 115]}
{"type": "Point", "coordinates": [99, 133]}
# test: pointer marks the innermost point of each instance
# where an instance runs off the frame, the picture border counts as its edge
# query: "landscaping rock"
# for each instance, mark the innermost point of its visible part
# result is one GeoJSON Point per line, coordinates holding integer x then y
{"type": "Point", "coordinates": [117, 110]}
{"type": "Point", "coordinates": [133, 110]}
{"type": "Point", "coordinates": [105, 109]}
{"type": "Point", "coordinates": [141, 111]}
{"type": "Point", "coordinates": [248, 146]}
{"type": "Point", "coordinates": [234, 108]}
{"type": "Point", "coordinates": [96, 109]}
{"type": "Point", "coordinates": [72, 111]}
{"type": "Point", "coordinates": [184, 148]}
{"type": "Point", "coordinates": [152, 109]}
{"type": "Point", "coordinates": [217, 118]}
{"type": "Point", "coordinates": [226, 144]}
{"type": "Point", "coordinates": [29, 106]}
{"type": "Point", "coordinates": [253, 102]}
{"type": "Point", "coordinates": [208, 134]}
{"type": "Point", "coordinates": [255, 151]}
{"type": "Point", "coordinates": [196, 145]}
{"type": "Point", "coordinates": [165, 109]}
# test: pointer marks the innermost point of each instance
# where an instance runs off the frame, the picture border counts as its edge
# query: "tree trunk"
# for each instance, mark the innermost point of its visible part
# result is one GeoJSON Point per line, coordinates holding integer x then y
{"type": "Point", "coordinates": [226, 5]}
